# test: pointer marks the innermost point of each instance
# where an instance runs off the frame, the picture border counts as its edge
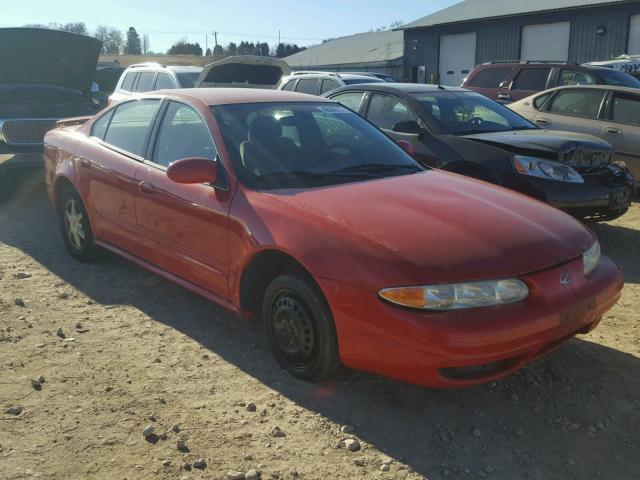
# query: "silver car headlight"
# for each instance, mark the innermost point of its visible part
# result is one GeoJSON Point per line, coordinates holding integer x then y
{"type": "Point", "coordinates": [538, 167]}
{"type": "Point", "coordinates": [457, 296]}
{"type": "Point", "coordinates": [590, 258]}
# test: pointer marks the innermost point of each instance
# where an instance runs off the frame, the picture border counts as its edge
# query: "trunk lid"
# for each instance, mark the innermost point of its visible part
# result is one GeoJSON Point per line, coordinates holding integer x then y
{"type": "Point", "coordinates": [244, 71]}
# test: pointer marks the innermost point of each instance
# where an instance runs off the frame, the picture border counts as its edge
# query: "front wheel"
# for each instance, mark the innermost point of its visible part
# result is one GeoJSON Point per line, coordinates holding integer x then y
{"type": "Point", "coordinates": [75, 227]}
{"type": "Point", "coordinates": [300, 328]}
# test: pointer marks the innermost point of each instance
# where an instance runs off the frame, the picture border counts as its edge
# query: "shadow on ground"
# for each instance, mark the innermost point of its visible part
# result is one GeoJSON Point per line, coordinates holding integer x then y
{"type": "Point", "coordinates": [574, 415]}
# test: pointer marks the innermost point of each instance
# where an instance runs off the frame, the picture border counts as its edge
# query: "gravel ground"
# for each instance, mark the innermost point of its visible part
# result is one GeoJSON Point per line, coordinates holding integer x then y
{"type": "Point", "coordinates": [115, 368]}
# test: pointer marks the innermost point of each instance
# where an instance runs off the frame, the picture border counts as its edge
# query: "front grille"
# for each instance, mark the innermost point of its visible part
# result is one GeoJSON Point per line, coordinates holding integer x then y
{"type": "Point", "coordinates": [586, 160]}
{"type": "Point", "coordinates": [25, 131]}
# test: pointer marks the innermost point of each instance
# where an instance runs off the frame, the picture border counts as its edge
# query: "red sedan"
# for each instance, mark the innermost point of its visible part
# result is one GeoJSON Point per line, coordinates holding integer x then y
{"type": "Point", "coordinates": [294, 208]}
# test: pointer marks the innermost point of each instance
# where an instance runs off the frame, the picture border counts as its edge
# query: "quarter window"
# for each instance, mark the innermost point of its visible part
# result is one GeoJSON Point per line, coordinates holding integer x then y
{"type": "Point", "coordinates": [626, 109]}
{"type": "Point", "coordinates": [385, 111]}
{"type": "Point", "coordinates": [183, 133]}
{"type": "Point", "coordinates": [130, 125]}
{"type": "Point", "coordinates": [577, 103]}
{"type": "Point", "coordinates": [351, 100]}
{"type": "Point", "coordinates": [289, 85]}
{"type": "Point", "coordinates": [99, 127]}
{"type": "Point", "coordinates": [490, 77]}
{"type": "Point", "coordinates": [145, 82]}
{"type": "Point", "coordinates": [307, 85]}
{"type": "Point", "coordinates": [164, 81]}
{"type": "Point", "coordinates": [127, 83]}
{"type": "Point", "coordinates": [534, 79]}
{"type": "Point", "coordinates": [539, 101]}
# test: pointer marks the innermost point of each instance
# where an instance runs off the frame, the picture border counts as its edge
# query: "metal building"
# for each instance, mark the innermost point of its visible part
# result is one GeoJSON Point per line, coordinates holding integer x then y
{"type": "Point", "coordinates": [363, 52]}
{"type": "Point", "coordinates": [445, 45]}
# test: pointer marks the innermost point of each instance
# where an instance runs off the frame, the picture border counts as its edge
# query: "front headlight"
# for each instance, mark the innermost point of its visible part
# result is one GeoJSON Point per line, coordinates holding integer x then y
{"type": "Point", "coordinates": [590, 258]}
{"type": "Point", "coordinates": [457, 296]}
{"type": "Point", "coordinates": [538, 167]}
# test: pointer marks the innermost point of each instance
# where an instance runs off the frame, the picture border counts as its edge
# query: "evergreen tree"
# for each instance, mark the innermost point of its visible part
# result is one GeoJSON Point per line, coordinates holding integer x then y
{"type": "Point", "coordinates": [133, 46]}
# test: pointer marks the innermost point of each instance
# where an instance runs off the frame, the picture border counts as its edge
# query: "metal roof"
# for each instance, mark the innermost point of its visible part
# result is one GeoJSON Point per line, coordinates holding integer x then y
{"type": "Point", "coordinates": [469, 10]}
{"type": "Point", "coordinates": [359, 48]}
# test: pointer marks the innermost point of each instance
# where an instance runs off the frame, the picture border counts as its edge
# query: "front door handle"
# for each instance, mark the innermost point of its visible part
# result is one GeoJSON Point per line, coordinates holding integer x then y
{"type": "Point", "coordinates": [147, 188]}
{"type": "Point", "coordinates": [504, 96]}
{"type": "Point", "coordinates": [542, 121]}
{"type": "Point", "coordinates": [612, 131]}
{"type": "Point", "coordinates": [85, 162]}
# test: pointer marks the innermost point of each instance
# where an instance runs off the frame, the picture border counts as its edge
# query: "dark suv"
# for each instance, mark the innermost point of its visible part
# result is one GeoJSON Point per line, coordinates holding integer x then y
{"type": "Point", "coordinates": [508, 82]}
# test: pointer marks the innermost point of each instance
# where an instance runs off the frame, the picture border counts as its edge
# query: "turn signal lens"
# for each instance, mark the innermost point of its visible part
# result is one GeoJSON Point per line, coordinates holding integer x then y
{"type": "Point", "coordinates": [458, 295]}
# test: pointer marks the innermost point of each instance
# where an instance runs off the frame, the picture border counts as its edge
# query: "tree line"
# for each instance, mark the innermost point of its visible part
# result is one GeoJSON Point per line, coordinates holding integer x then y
{"type": "Point", "coordinates": [114, 42]}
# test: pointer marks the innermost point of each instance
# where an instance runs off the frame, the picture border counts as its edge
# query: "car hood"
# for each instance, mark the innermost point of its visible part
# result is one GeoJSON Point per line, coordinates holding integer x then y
{"type": "Point", "coordinates": [578, 150]}
{"type": "Point", "coordinates": [48, 57]}
{"type": "Point", "coordinates": [429, 227]}
{"type": "Point", "coordinates": [248, 71]}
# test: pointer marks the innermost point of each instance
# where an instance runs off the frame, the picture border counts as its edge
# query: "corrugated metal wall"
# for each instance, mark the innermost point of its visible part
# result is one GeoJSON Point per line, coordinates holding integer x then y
{"type": "Point", "coordinates": [500, 39]}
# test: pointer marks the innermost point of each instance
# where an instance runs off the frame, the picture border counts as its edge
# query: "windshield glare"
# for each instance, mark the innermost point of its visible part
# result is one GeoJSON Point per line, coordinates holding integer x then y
{"type": "Point", "coordinates": [465, 113]}
{"type": "Point", "coordinates": [274, 145]}
{"type": "Point", "coordinates": [617, 78]}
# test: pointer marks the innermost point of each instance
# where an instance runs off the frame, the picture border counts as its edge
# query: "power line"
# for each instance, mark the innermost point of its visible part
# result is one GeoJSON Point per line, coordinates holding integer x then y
{"type": "Point", "coordinates": [201, 32]}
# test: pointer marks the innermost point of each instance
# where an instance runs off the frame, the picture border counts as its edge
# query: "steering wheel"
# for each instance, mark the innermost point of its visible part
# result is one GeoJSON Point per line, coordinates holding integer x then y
{"type": "Point", "coordinates": [476, 121]}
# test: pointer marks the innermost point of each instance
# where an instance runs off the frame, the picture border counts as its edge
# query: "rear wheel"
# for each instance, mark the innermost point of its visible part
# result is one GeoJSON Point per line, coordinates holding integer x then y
{"type": "Point", "coordinates": [75, 227]}
{"type": "Point", "coordinates": [300, 328]}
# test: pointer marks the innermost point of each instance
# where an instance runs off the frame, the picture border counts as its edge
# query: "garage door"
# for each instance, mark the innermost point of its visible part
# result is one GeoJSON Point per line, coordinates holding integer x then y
{"type": "Point", "coordinates": [634, 36]}
{"type": "Point", "coordinates": [457, 57]}
{"type": "Point", "coordinates": [549, 41]}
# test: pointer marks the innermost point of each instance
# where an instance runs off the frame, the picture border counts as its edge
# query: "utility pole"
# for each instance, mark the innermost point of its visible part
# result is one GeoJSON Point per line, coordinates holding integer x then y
{"type": "Point", "coordinates": [215, 36]}
{"type": "Point", "coordinates": [279, 37]}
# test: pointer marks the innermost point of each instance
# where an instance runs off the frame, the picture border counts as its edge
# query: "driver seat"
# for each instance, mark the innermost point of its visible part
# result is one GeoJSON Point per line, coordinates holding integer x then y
{"type": "Point", "coordinates": [266, 150]}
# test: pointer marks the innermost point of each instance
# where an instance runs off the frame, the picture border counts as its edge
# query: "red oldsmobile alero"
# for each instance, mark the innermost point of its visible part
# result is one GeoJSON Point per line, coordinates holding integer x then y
{"type": "Point", "coordinates": [294, 208]}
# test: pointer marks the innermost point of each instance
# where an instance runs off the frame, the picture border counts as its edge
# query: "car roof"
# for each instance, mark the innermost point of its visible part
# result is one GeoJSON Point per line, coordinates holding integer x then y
{"type": "Point", "coordinates": [596, 87]}
{"type": "Point", "coordinates": [227, 96]}
{"type": "Point", "coordinates": [156, 67]}
{"type": "Point", "coordinates": [401, 87]}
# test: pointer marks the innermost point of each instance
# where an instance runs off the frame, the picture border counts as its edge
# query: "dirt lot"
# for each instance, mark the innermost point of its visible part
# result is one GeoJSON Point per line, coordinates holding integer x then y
{"type": "Point", "coordinates": [146, 352]}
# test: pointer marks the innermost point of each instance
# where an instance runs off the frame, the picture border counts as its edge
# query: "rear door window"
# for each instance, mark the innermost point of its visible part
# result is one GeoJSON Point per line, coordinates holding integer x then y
{"type": "Point", "coordinates": [129, 80]}
{"type": "Point", "coordinates": [626, 109]}
{"type": "Point", "coordinates": [145, 82]}
{"type": "Point", "coordinates": [386, 111]}
{"type": "Point", "coordinates": [575, 77]}
{"type": "Point", "coordinates": [490, 77]}
{"type": "Point", "coordinates": [130, 125]}
{"type": "Point", "coordinates": [164, 81]}
{"type": "Point", "coordinates": [577, 103]}
{"type": "Point", "coordinates": [534, 79]}
{"type": "Point", "coordinates": [351, 100]}
{"type": "Point", "coordinates": [328, 84]}
{"type": "Point", "coordinates": [307, 85]}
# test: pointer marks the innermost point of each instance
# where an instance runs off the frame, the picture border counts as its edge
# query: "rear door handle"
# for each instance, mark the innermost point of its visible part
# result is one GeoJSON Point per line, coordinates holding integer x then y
{"type": "Point", "coordinates": [542, 121]}
{"type": "Point", "coordinates": [147, 188]}
{"type": "Point", "coordinates": [612, 131]}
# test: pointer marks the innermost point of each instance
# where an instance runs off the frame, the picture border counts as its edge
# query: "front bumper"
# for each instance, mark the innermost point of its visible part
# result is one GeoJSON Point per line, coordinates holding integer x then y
{"type": "Point", "coordinates": [21, 158]}
{"type": "Point", "coordinates": [603, 196]}
{"type": "Point", "coordinates": [468, 347]}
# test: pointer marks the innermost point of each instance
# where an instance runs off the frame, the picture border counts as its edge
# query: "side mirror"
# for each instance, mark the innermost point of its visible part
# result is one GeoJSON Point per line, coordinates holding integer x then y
{"type": "Point", "coordinates": [407, 147]}
{"type": "Point", "coordinates": [193, 170]}
{"type": "Point", "coordinates": [410, 127]}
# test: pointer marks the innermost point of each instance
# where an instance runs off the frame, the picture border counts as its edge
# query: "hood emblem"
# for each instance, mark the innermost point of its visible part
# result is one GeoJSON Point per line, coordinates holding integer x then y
{"type": "Point", "coordinates": [564, 279]}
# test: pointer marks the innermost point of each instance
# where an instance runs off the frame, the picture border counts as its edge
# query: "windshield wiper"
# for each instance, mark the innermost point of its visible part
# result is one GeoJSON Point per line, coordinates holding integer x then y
{"type": "Point", "coordinates": [378, 168]}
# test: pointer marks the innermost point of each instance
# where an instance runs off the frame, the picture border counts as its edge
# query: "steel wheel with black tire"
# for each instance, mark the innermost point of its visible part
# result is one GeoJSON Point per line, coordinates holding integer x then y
{"type": "Point", "coordinates": [300, 328]}
{"type": "Point", "coordinates": [75, 227]}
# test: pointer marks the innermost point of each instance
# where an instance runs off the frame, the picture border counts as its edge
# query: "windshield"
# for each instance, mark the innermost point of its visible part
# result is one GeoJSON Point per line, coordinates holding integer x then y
{"type": "Point", "coordinates": [466, 113]}
{"type": "Point", "coordinates": [296, 145]}
{"type": "Point", "coordinates": [617, 78]}
{"type": "Point", "coordinates": [187, 79]}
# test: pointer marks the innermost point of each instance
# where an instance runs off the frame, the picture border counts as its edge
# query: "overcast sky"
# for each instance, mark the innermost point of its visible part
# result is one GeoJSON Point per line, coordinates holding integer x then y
{"type": "Point", "coordinates": [304, 22]}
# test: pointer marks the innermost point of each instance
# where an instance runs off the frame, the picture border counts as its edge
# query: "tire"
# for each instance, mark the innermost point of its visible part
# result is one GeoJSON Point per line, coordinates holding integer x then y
{"type": "Point", "coordinates": [300, 329]}
{"type": "Point", "coordinates": [75, 227]}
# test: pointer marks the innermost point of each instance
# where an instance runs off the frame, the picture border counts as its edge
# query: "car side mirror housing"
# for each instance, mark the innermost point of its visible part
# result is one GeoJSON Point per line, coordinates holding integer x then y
{"type": "Point", "coordinates": [410, 127]}
{"type": "Point", "coordinates": [407, 147]}
{"type": "Point", "coordinates": [193, 170]}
